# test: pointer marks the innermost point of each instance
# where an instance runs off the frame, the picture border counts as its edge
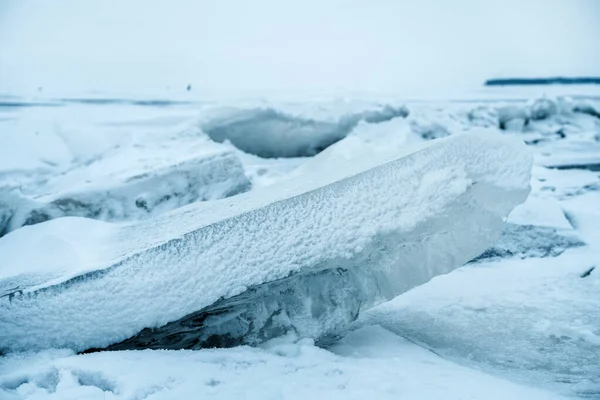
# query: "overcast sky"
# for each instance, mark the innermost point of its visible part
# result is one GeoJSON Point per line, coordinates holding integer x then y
{"type": "Point", "coordinates": [222, 45]}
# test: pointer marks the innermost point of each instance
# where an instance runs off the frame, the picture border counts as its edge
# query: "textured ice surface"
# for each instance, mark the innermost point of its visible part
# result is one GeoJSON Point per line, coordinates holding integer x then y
{"type": "Point", "coordinates": [400, 221]}
{"type": "Point", "coordinates": [130, 185]}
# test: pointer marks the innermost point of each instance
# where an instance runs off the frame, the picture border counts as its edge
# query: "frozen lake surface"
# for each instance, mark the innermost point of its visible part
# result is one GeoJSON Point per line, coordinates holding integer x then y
{"type": "Point", "coordinates": [519, 321]}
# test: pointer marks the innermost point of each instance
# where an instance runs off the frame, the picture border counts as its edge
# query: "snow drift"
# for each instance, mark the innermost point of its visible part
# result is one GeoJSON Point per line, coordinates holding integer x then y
{"type": "Point", "coordinates": [306, 255]}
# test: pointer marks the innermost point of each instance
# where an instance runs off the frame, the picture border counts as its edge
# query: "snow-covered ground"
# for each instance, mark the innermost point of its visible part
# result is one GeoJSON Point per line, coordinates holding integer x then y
{"type": "Point", "coordinates": [520, 321]}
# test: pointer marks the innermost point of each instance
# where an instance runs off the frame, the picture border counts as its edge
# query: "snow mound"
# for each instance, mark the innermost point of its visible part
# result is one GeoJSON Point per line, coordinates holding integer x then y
{"type": "Point", "coordinates": [271, 133]}
{"type": "Point", "coordinates": [484, 116]}
{"type": "Point", "coordinates": [377, 228]}
{"type": "Point", "coordinates": [132, 185]}
{"type": "Point", "coordinates": [550, 117]}
{"type": "Point", "coordinates": [58, 245]}
{"type": "Point", "coordinates": [433, 123]}
{"type": "Point", "coordinates": [542, 108]}
{"type": "Point", "coordinates": [512, 117]}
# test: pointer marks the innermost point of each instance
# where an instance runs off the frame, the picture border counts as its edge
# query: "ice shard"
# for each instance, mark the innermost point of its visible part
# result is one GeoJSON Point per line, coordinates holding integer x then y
{"type": "Point", "coordinates": [307, 255]}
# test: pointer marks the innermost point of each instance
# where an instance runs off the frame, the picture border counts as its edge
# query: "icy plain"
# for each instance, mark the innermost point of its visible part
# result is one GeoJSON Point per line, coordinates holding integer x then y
{"type": "Point", "coordinates": [519, 321]}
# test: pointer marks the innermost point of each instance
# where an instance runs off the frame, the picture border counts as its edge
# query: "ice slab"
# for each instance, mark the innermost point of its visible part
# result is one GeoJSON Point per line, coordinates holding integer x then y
{"type": "Point", "coordinates": [383, 226]}
{"type": "Point", "coordinates": [131, 184]}
{"type": "Point", "coordinates": [270, 133]}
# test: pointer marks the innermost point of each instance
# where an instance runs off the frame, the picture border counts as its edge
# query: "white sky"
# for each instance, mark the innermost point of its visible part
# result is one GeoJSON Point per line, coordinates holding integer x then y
{"type": "Point", "coordinates": [140, 46]}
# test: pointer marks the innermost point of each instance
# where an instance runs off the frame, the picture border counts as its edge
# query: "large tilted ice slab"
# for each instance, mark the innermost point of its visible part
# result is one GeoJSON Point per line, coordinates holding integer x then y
{"type": "Point", "coordinates": [306, 255]}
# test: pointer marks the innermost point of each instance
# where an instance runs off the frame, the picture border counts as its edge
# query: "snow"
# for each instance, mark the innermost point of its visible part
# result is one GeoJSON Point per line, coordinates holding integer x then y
{"type": "Point", "coordinates": [368, 363]}
{"type": "Point", "coordinates": [115, 170]}
{"type": "Point", "coordinates": [530, 320]}
{"type": "Point", "coordinates": [93, 94]}
{"type": "Point", "coordinates": [519, 321]}
{"type": "Point", "coordinates": [181, 262]}
{"type": "Point", "coordinates": [66, 247]}
{"type": "Point", "coordinates": [53, 135]}
{"type": "Point", "coordinates": [136, 184]}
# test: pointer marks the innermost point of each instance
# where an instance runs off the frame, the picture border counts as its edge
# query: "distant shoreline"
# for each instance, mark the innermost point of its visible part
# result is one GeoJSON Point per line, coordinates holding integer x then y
{"type": "Point", "coordinates": [559, 80]}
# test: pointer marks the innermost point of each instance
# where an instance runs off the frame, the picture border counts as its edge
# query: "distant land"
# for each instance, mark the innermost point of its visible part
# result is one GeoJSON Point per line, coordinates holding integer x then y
{"type": "Point", "coordinates": [558, 80]}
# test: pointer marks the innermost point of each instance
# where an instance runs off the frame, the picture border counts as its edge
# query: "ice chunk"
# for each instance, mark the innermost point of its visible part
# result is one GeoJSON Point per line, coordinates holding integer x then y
{"type": "Point", "coordinates": [590, 162]}
{"type": "Point", "coordinates": [543, 108]}
{"type": "Point", "coordinates": [512, 117]}
{"type": "Point", "coordinates": [587, 107]}
{"type": "Point", "coordinates": [484, 116]}
{"type": "Point", "coordinates": [526, 241]}
{"type": "Point", "coordinates": [9, 200]}
{"type": "Point", "coordinates": [432, 124]}
{"type": "Point", "coordinates": [541, 212]}
{"type": "Point", "coordinates": [373, 227]}
{"type": "Point", "coordinates": [135, 184]}
{"type": "Point", "coordinates": [551, 118]}
{"type": "Point", "coordinates": [536, 228]}
{"type": "Point", "coordinates": [268, 132]}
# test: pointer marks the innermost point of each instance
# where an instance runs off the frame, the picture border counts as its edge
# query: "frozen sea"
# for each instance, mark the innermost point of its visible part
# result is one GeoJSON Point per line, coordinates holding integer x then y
{"type": "Point", "coordinates": [520, 321]}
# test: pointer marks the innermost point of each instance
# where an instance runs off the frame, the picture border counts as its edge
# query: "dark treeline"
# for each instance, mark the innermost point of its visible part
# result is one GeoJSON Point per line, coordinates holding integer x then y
{"type": "Point", "coordinates": [582, 80]}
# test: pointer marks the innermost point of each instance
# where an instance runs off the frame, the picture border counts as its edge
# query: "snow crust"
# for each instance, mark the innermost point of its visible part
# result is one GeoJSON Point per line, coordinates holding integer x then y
{"type": "Point", "coordinates": [180, 262]}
